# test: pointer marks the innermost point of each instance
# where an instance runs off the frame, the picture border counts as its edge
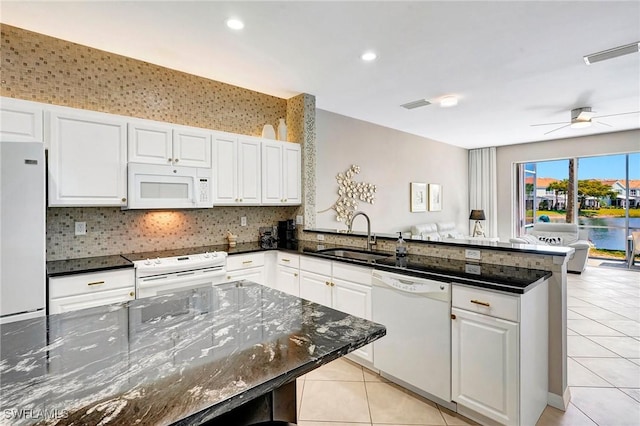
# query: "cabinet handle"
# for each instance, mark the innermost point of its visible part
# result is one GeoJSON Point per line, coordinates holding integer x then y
{"type": "Point", "coordinates": [246, 262]}
{"type": "Point", "coordinates": [132, 294]}
{"type": "Point", "coordinates": [286, 260]}
{"type": "Point", "coordinates": [285, 200]}
{"type": "Point", "coordinates": [96, 283]}
{"type": "Point", "coordinates": [332, 284]}
{"type": "Point", "coordinates": [124, 200]}
{"type": "Point", "coordinates": [169, 160]}
{"type": "Point", "coordinates": [228, 277]}
{"type": "Point", "coordinates": [326, 282]}
{"type": "Point", "coordinates": [295, 274]}
{"type": "Point", "coordinates": [478, 302]}
{"type": "Point", "coordinates": [176, 160]}
{"type": "Point", "coordinates": [453, 316]}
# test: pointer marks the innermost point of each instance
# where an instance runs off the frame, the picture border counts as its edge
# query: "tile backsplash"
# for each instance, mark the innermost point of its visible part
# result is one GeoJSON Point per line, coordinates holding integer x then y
{"type": "Point", "coordinates": [114, 231]}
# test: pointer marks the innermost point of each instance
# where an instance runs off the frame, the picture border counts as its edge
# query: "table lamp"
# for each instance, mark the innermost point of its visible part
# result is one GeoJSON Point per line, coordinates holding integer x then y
{"type": "Point", "coordinates": [477, 215]}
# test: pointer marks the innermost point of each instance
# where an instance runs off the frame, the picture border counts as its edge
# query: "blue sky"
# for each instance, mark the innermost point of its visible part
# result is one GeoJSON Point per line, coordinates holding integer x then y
{"type": "Point", "coordinates": [606, 167]}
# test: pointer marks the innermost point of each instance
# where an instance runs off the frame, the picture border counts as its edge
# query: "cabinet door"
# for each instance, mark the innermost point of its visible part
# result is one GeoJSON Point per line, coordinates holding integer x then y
{"type": "Point", "coordinates": [91, 300]}
{"type": "Point", "coordinates": [20, 121]}
{"type": "Point", "coordinates": [192, 147]}
{"type": "Point", "coordinates": [87, 159]}
{"type": "Point", "coordinates": [485, 365]}
{"type": "Point", "coordinates": [225, 170]}
{"type": "Point", "coordinates": [287, 280]}
{"type": "Point", "coordinates": [249, 188]}
{"type": "Point", "coordinates": [292, 174]}
{"type": "Point", "coordinates": [272, 192]}
{"type": "Point", "coordinates": [150, 143]}
{"type": "Point", "coordinates": [256, 275]}
{"type": "Point", "coordinates": [315, 287]}
{"type": "Point", "coordinates": [354, 299]}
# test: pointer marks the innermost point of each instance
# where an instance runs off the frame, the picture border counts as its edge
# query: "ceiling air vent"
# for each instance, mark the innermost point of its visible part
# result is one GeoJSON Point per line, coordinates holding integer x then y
{"type": "Point", "coordinates": [416, 104]}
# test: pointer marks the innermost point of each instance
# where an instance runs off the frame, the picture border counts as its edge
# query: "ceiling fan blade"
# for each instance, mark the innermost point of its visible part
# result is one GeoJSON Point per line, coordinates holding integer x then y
{"type": "Point", "coordinates": [551, 131]}
{"type": "Point", "coordinates": [620, 113]}
{"type": "Point", "coordinates": [547, 124]}
{"type": "Point", "coordinates": [601, 122]}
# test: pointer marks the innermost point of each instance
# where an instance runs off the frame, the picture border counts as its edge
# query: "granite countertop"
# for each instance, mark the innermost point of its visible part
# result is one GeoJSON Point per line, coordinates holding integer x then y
{"type": "Point", "coordinates": [87, 264]}
{"type": "Point", "coordinates": [154, 361]}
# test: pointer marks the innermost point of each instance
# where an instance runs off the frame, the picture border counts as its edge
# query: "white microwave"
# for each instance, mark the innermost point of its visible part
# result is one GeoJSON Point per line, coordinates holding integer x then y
{"type": "Point", "coordinates": [153, 186]}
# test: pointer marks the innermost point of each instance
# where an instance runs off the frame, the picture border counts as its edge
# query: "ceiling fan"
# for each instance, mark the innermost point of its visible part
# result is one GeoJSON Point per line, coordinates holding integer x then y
{"type": "Point", "coordinates": [582, 117]}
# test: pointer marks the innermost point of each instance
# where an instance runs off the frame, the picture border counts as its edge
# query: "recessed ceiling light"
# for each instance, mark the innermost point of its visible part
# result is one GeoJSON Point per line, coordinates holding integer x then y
{"type": "Point", "coordinates": [580, 124]}
{"type": "Point", "coordinates": [235, 24]}
{"type": "Point", "coordinates": [448, 101]}
{"type": "Point", "coordinates": [368, 56]}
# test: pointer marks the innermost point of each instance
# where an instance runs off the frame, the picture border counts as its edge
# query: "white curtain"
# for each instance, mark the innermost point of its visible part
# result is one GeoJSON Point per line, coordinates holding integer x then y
{"type": "Point", "coordinates": [483, 187]}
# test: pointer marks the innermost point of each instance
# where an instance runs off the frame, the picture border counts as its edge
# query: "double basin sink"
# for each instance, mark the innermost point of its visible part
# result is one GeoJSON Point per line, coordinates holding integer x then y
{"type": "Point", "coordinates": [346, 253]}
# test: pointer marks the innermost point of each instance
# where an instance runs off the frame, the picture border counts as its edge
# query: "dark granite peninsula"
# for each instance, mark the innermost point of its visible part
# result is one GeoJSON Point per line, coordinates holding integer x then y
{"type": "Point", "coordinates": [229, 353]}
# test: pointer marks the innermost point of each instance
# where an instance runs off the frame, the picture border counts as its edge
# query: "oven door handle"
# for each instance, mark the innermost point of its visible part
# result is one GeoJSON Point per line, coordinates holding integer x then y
{"type": "Point", "coordinates": [180, 278]}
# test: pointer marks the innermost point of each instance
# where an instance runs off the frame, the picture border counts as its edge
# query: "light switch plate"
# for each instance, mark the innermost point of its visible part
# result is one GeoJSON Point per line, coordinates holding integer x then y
{"type": "Point", "coordinates": [299, 219]}
{"type": "Point", "coordinates": [320, 237]}
{"type": "Point", "coordinates": [243, 221]}
{"type": "Point", "coordinates": [472, 254]}
{"type": "Point", "coordinates": [81, 228]}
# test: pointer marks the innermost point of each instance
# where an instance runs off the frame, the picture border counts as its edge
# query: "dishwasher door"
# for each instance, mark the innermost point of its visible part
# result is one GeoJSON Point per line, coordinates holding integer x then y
{"type": "Point", "coordinates": [417, 347]}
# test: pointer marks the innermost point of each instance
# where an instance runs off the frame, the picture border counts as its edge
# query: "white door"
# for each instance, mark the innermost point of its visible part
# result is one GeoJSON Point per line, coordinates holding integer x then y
{"type": "Point", "coordinates": [292, 174]}
{"type": "Point", "coordinates": [287, 280]}
{"type": "Point", "coordinates": [150, 143]}
{"type": "Point", "coordinates": [485, 366]}
{"type": "Point", "coordinates": [354, 299]}
{"type": "Point", "coordinates": [225, 172]}
{"type": "Point", "coordinates": [192, 148]}
{"type": "Point", "coordinates": [272, 173]}
{"type": "Point", "coordinates": [249, 188]}
{"type": "Point", "coordinates": [20, 121]}
{"type": "Point", "coordinates": [315, 287]}
{"type": "Point", "coordinates": [87, 159]}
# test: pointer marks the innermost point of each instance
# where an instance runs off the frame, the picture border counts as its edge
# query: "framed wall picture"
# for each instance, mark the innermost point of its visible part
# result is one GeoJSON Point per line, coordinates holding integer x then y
{"type": "Point", "coordinates": [435, 197]}
{"type": "Point", "coordinates": [418, 197]}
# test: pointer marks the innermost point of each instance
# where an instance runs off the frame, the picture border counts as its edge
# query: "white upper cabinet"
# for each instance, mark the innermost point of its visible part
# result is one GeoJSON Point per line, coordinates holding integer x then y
{"type": "Point", "coordinates": [281, 173]}
{"type": "Point", "coordinates": [150, 143]}
{"type": "Point", "coordinates": [87, 158]}
{"type": "Point", "coordinates": [157, 143]}
{"type": "Point", "coordinates": [236, 168]}
{"type": "Point", "coordinates": [191, 147]}
{"type": "Point", "coordinates": [20, 121]}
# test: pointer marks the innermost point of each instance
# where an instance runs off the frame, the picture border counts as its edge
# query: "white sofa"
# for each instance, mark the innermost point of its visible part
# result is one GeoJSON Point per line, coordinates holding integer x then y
{"type": "Point", "coordinates": [435, 231]}
{"type": "Point", "coordinates": [559, 234]}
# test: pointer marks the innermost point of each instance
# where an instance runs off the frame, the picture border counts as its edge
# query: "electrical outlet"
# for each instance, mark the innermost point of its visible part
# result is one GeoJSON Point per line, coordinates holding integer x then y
{"type": "Point", "coordinates": [320, 237]}
{"type": "Point", "coordinates": [470, 268]}
{"type": "Point", "coordinates": [299, 219]}
{"type": "Point", "coordinates": [472, 254]}
{"type": "Point", "coordinates": [81, 228]}
{"type": "Point", "coordinates": [243, 221]}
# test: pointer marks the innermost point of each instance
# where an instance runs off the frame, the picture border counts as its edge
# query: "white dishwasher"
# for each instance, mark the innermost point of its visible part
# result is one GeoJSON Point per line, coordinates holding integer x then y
{"type": "Point", "coordinates": [417, 348]}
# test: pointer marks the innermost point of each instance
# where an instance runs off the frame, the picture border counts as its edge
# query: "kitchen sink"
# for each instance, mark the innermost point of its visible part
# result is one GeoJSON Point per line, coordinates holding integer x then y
{"type": "Point", "coordinates": [345, 253]}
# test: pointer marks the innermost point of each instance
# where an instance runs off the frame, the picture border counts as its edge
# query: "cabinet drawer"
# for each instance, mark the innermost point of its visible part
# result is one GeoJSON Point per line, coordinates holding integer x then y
{"type": "Point", "coordinates": [85, 301]}
{"type": "Point", "coordinates": [486, 302]}
{"type": "Point", "coordinates": [90, 283]}
{"type": "Point", "coordinates": [312, 264]}
{"type": "Point", "coordinates": [237, 262]}
{"type": "Point", "coordinates": [356, 274]}
{"type": "Point", "coordinates": [288, 259]}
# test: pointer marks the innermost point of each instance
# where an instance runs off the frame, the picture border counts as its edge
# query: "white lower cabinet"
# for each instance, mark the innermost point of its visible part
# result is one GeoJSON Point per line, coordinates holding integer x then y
{"type": "Point", "coordinates": [249, 266]}
{"type": "Point", "coordinates": [343, 287]}
{"type": "Point", "coordinates": [499, 354]}
{"type": "Point", "coordinates": [80, 291]}
{"type": "Point", "coordinates": [287, 277]}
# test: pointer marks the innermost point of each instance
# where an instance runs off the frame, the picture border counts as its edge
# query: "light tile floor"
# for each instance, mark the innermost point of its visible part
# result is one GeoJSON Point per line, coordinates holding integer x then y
{"type": "Point", "coordinates": [603, 369]}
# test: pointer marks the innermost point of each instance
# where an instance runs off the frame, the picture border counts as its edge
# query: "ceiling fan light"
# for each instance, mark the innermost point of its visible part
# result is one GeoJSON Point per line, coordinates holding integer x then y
{"type": "Point", "coordinates": [579, 124]}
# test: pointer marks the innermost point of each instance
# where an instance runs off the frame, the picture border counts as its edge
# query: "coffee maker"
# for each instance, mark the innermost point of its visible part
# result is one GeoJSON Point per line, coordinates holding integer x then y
{"type": "Point", "coordinates": [287, 234]}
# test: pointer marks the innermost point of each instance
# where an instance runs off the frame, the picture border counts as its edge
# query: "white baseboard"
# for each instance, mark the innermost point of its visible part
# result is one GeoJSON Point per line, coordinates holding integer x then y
{"type": "Point", "coordinates": [559, 402]}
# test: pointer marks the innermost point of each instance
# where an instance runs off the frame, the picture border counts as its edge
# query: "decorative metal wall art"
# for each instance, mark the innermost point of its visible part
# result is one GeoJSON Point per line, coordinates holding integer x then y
{"type": "Point", "coordinates": [350, 193]}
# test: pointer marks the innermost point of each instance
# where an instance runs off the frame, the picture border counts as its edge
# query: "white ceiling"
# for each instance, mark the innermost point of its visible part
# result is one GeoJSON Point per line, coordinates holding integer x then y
{"type": "Point", "coordinates": [512, 64]}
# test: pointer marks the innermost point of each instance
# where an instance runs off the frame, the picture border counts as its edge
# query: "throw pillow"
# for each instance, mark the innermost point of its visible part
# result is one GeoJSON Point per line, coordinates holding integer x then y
{"type": "Point", "coordinates": [531, 239]}
{"type": "Point", "coordinates": [552, 241]}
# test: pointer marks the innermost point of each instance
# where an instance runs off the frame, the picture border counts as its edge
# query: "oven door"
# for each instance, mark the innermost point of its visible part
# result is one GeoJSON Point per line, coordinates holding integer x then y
{"type": "Point", "coordinates": [168, 283]}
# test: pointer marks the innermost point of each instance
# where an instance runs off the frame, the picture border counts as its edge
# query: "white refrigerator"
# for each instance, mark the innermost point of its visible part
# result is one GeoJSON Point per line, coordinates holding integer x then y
{"type": "Point", "coordinates": [22, 231]}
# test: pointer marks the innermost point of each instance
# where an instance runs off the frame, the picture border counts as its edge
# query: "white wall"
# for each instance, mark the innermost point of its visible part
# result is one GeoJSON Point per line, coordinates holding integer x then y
{"type": "Point", "coordinates": [391, 160]}
{"type": "Point", "coordinates": [507, 156]}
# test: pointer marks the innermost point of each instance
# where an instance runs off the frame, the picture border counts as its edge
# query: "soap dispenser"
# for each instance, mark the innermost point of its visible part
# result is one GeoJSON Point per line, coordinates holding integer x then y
{"type": "Point", "coordinates": [401, 246]}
